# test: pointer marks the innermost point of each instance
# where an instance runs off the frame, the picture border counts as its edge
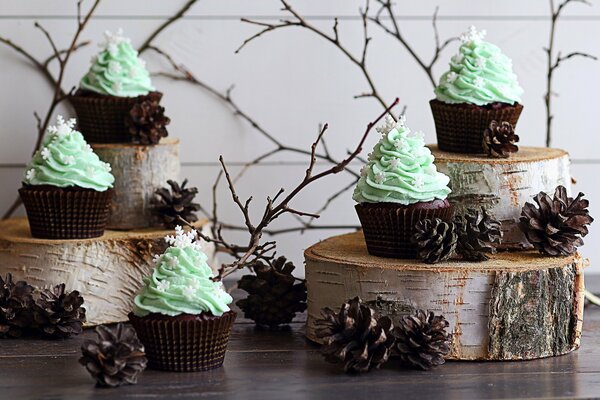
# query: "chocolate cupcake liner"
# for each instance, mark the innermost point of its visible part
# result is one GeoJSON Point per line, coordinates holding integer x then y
{"type": "Point", "coordinates": [388, 228]}
{"type": "Point", "coordinates": [101, 118]}
{"type": "Point", "coordinates": [184, 345]}
{"type": "Point", "coordinates": [460, 128]}
{"type": "Point", "coordinates": [66, 213]}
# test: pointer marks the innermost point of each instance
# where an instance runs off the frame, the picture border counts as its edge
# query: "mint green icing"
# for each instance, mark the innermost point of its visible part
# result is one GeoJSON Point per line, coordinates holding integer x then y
{"type": "Point", "coordinates": [181, 282]}
{"type": "Point", "coordinates": [400, 169]}
{"type": "Point", "coordinates": [64, 159]}
{"type": "Point", "coordinates": [479, 74]}
{"type": "Point", "coordinates": [117, 70]}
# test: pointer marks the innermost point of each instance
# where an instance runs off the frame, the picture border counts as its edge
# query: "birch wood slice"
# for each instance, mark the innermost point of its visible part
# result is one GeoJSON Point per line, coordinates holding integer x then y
{"type": "Point", "coordinates": [515, 306]}
{"type": "Point", "coordinates": [107, 271]}
{"type": "Point", "coordinates": [139, 170]}
{"type": "Point", "coordinates": [503, 185]}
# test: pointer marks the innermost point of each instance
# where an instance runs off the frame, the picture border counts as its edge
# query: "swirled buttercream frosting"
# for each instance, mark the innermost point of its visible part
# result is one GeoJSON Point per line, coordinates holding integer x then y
{"type": "Point", "coordinates": [181, 282]}
{"type": "Point", "coordinates": [479, 74]}
{"type": "Point", "coordinates": [64, 159]}
{"type": "Point", "coordinates": [400, 169]}
{"type": "Point", "coordinates": [117, 70]}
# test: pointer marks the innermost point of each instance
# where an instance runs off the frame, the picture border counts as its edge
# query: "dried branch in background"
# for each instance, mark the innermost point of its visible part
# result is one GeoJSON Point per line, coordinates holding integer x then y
{"type": "Point", "coordinates": [62, 57]}
{"type": "Point", "coordinates": [555, 62]}
{"type": "Point", "coordinates": [256, 250]}
{"type": "Point", "coordinates": [177, 16]}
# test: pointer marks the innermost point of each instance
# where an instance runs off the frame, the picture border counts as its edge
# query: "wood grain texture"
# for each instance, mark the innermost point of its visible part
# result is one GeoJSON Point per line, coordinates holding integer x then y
{"type": "Point", "coordinates": [107, 271]}
{"type": "Point", "coordinates": [139, 170]}
{"type": "Point", "coordinates": [517, 305]}
{"type": "Point", "coordinates": [503, 186]}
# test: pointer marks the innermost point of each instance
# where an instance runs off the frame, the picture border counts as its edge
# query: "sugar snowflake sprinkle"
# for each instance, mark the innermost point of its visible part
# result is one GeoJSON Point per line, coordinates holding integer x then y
{"type": "Point", "coordinates": [418, 182]}
{"type": "Point", "coordinates": [183, 239]}
{"type": "Point", "coordinates": [163, 286]}
{"type": "Point", "coordinates": [30, 175]}
{"type": "Point", "coordinates": [478, 82]}
{"type": "Point", "coordinates": [394, 163]}
{"type": "Point", "coordinates": [472, 35]}
{"type": "Point", "coordinates": [114, 67]}
{"type": "Point", "coordinates": [189, 292]}
{"type": "Point", "coordinates": [451, 77]}
{"type": "Point", "coordinates": [379, 178]}
{"type": "Point", "coordinates": [45, 153]}
{"type": "Point", "coordinates": [387, 125]}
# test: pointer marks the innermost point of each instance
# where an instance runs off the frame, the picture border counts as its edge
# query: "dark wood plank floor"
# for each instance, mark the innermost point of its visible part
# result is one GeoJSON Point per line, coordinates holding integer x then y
{"type": "Point", "coordinates": [283, 365]}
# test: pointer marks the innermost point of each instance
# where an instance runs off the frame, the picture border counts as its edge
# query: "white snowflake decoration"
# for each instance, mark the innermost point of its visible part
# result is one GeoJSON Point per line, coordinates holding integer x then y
{"type": "Point", "coordinates": [114, 67]}
{"type": "Point", "coordinates": [472, 35]}
{"type": "Point", "coordinates": [163, 286]}
{"type": "Point", "coordinates": [400, 144]}
{"type": "Point", "coordinates": [195, 283]}
{"type": "Point", "coordinates": [478, 82]}
{"type": "Point", "coordinates": [480, 62]}
{"type": "Point", "coordinates": [379, 178]}
{"type": "Point", "coordinates": [451, 77]}
{"type": "Point", "coordinates": [183, 239]}
{"type": "Point", "coordinates": [370, 156]}
{"type": "Point", "coordinates": [172, 262]}
{"type": "Point", "coordinates": [133, 72]}
{"type": "Point", "coordinates": [45, 153]}
{"type": "Point", "coordinates": [387, 125]}
{"type": "Point", "coordinates": [30, 175]}
{"type": "Point", "coordinates": [156, 258]}
{"type": "Point", "coordinates": [364, 171]}
{"type": "Point", "coordinates": [107, 167]}
{"type": "Point", "coordinates": [69, 160]}
{"type": "Point", "coordinates": [418, 182]}
{"type": "Point", "coordinates": [112, 41]}
{"type": "Point", "coordinates": [458, 58]}
{"type": "Point", "coordinates": [189, 292]}
{"type": "Point", "coordinates": [394, 163]}
{"type": "Point", "coordinates": [418, 135]}
{"type": "Point", "coordinates": [117, 87]}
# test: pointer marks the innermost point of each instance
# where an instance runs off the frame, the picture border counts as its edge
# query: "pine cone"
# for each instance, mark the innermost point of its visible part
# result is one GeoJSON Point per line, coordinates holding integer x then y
{"type": "Point", "coordinates": [147, 120]}
{"type": "Point", "coordinates": [422, 340]}
{"type": "Point", "coordinates": [59, 314]}
{"type": "Point", "coordinates": [177, 203]}
{"type": "Point", "coordinates": [16, 303]}
{"type": "Point", "coordinates": [557, 225]}
{"type": "Point", "coordinates": [477, 232]}
{"type": "Point", "coordinates": [436, 240]}
{"type": "Point", "coordinates": [274, 297]}
{"type": "Point", "coordinates": [499, 139]}
{"type": "Point", "coordinates": [116, 358]}
{"type": "Point", "coordinates": [354, 337]}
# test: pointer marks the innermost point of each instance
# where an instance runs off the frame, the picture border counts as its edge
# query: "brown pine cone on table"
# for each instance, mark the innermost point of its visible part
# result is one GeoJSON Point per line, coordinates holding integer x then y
{"type": "Point", "coordinates": [147, 120]}
{"type": "Point", "coordinates": [354, 337]}
{"type": "Point", "coordinates": [58, 314]}
{"type": "Point", "coordinates": [557, 224]}
{"type": "Point", "coordinates": [16, 303]}
{"type": "Point", "coordinates": [274, 294]}
{"type": "Point", "coordinates": [176, 204]}
{"type": "Point", "coordinates": [478, 234]}
{"type": "Point", "coordinates": [422, 340]}
{"type": "Point", "coordinates": [499, 140]}
{"type": "Point", "coordinates": [116, 358]}
{"type": "Point", "coordinates": [435, 240]}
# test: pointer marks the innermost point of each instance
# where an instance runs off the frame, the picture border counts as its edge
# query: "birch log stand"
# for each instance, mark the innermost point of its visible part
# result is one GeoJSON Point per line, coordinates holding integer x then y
{"type": "Point", "coordinates": [139, 170]}
{"type": "Point", "coordinates": [107, 271]}
{"type": "Point", "coordinates": [503, 185]}
{"type": "Point", "coordinates": [515, 306]}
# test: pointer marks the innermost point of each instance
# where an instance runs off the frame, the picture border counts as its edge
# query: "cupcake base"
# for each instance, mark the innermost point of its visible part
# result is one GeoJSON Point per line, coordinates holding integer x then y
{"type": "Point", "coordinates": [66, 213]}
{"type": "Point", "coordinates": [184, 343]}
{"type": "Point", "coordinates": [388, 227]}
{"type": "Point", "coordinates": [460, 127]}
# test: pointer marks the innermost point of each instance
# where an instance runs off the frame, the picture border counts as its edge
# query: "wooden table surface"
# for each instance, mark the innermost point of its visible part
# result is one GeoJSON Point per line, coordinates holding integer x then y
{"type": "Point", "coordinates": [283, 365]}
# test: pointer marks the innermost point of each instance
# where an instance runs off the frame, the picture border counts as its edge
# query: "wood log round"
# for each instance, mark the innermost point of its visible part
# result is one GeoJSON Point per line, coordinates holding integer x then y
{"type": "Point", "coordinates": [107, 271]}
{"type": "Point", "coordinates": [515, 306]}
{"type": "Point", "coordinates": [503, 185]}
{"type": "Point", "coordinates": [139, 170]}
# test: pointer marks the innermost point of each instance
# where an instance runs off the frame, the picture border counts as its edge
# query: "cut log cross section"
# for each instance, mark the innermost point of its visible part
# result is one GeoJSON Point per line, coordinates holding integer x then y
{"type": "Point", "coordinates": [515, 306]}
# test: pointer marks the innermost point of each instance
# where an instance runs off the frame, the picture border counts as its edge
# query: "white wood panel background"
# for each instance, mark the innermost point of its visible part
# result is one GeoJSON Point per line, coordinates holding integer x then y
{"type": "Point", "coordinates": [290, 81]}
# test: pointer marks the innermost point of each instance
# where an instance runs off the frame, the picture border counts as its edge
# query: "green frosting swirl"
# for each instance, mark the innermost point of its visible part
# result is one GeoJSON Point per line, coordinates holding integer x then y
{"type": "Point", "coordinates": [479, 74]}
{"type": "Point", "coordinates": [65, 159]}
{"type": "Point", "coordinates": [400, 169]}
{"type": "Point", "coordinates": [181, 282]}
{"type": "Point", "coordinates": [117, 70]}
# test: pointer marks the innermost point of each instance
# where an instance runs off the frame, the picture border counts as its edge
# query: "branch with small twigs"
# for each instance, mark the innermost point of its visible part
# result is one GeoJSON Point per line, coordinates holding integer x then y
{"type": "Point", "coordinates": [555, 62]}
{"type": "Point", "coordinates": [256, 250]}
{"type": "Point", "coordinates": [177, 16]}
{"type": "Point", "coordinates": [62, 57]}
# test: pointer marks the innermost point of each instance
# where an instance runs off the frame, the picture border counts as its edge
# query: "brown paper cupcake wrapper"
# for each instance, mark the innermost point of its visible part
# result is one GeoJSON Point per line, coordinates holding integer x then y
{"type": "Point", "coordinates": [460, 129]}
{"type": "Point", "coordinates": [66, 213]}
{"type": "Point", "coordinates": [389, 228]}
{"type": "Point", "coordinates": [184, 345]}
{"type": "Point", "coordinates": [101, 119]}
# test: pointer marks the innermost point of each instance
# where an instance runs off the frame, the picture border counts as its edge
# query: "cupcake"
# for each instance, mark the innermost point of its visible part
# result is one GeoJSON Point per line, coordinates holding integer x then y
{"type": "Point", "coordinates": [181, 315]}
{"type": "Point", "coordinates": [116, 102]}
{"type": "Point", "coordinates": [67, 188]}
{"type": "Point", "coordinates": [479, 87]}
{"type": "Point", "coordinates": [398, 187]}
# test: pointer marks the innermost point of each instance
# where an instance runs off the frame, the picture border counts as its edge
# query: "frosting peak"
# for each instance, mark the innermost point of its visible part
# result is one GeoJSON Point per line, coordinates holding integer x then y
{"type": "Point", "coordinates": [181, 282]}
{"type": "Point", "coordinates": [117, 70]}
{"type": "Point", "coordinates": [400, 169]}
{"type": "Point", "coordinates": [479, 74]}
{"type": "Point", "coordinates": [65, 159]}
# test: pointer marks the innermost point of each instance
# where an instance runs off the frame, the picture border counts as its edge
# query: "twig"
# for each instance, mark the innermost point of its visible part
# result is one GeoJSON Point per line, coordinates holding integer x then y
{"type": "Point", "coordinates": [554, 63]}
{"type": "Point", "coordinates": [178, 15]}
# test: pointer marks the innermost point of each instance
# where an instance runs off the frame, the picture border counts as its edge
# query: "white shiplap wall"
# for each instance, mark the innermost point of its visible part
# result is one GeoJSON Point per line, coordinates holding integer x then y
{"type": "Point", "coordinates": [290, 81]}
